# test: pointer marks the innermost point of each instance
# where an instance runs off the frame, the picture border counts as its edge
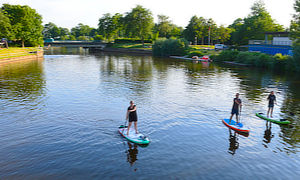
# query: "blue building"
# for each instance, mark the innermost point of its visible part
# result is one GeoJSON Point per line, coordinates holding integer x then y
{"type": "Point", "coordinates": [280, 44]}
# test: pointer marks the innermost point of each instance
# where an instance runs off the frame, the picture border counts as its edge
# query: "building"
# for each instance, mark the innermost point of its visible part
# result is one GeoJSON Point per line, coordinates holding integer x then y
{"type": "Point", "coordinates": [280, 43]}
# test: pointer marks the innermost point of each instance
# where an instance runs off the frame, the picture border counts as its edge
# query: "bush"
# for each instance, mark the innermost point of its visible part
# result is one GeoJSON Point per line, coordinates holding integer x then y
{"type": "Point", "coordinates": [277, 62]}
{"type": "Point", "coordinates": [170, 47]}
{"type": "Point", "coordinates": [195, 53]}
{"type": "Point", "coordinates": [228, 55]}
{"type": "Point", "coordinates": [296, 55]}
{"type": "Point", "coordinates": [98, 37]}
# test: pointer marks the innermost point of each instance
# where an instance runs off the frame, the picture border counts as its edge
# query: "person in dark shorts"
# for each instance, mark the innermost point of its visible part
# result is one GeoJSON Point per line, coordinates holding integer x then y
{"type": "Point", "coordinates": [237, 104]}
{"type": "Point", "coordinates": [272, 100]}
{"type": "Point", "coordinates": [131, 114]}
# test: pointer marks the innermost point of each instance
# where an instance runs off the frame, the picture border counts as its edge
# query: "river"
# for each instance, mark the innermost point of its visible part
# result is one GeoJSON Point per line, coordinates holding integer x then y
{"type": "Point", "coordinates": [60, 118]}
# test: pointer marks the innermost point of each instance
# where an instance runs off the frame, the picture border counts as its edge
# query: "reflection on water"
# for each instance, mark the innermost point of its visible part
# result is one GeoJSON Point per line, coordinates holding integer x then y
{"type": "Point", "coordinates": [22, 80]}
{"type": "Point", "coordinates": [233, 142]}
{"type": "Point", "coordinates": [59, 119]}
{"type": "Point", "coordinates": [132, 153]}
{"type": "Point", "coordinates": [268, 133]}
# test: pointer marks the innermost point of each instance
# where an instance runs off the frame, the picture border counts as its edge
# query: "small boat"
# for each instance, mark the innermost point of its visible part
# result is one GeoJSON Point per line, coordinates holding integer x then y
{"type": "Point", "coordinates": [278, 121]}
{"type": "Point", "coordinates": [194, 58]}
{"type": "Point", "coordinates": [239, 127]}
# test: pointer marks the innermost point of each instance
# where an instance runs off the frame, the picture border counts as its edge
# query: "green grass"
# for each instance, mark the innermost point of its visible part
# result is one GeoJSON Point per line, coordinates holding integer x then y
{"type": "Point", "coordinates": [147, 46]}
{"type": "Point", "coordinates": [202, 47]}
{"type": "Point", "coordinates": [16, 52]}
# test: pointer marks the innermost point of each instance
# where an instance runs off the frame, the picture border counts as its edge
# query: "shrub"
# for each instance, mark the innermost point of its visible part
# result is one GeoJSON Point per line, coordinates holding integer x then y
{"type": "Point", "coordinates": [296, 55]}
{"type": "Point", "coordinates": [228, 55]}
{"type": "Point", "coordinates": [170, 47]}
{"type": "Point", "coordinates": [196, 53]}
{"type": "Point", "coordinates": [98, 37]}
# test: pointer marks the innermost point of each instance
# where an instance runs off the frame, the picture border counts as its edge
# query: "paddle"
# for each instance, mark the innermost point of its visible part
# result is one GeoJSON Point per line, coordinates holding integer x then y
{"type": "Point", "coordinates": [124, 126]}
{"type": "Point", "coordinates": [240, 123]}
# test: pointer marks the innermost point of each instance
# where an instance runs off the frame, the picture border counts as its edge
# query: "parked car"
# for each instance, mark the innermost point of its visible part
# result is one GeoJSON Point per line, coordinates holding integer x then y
{"type": "Point", "coordinates": [220, 47]}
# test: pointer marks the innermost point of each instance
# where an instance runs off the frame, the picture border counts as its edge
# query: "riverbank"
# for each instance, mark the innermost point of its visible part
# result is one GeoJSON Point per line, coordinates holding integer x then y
{"type": "Point", "coordinates": [277, 62]}
{"type": "Point", "coordinates": [128, 50]}
{"type": "Point", "coordinates": [20, 54]}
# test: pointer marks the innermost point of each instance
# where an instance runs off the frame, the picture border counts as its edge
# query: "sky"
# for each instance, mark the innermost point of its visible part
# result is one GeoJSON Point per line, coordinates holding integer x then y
{"type": "Point", "coordinates": [69, 13]}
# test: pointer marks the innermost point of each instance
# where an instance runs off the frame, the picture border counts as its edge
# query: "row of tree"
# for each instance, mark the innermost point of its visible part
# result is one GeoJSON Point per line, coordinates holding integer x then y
{"type": "Point", "coordinates": [24, 24]}
{"type": "Point", "coordinates": [138, 23]}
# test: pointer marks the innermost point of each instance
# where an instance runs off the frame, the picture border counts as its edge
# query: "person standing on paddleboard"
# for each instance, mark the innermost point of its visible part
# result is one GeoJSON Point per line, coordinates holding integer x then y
{"type": "Point", "coordinates": [272, 100]}
{"type": "Point", "coordinates": [131, 114]}
{"type": "Point", "coordinates": [237, 104]}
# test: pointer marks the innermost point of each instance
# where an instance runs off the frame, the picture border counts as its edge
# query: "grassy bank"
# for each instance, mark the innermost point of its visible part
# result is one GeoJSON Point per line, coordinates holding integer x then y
{"type": "Point", "coordinates": [147, 46]}
{"type": "Point", "coordinates": [17, 52]}
{"type": "Point", "coordinates": [256, 59]}
{"type": "Point", "coordinates": [192, 50]}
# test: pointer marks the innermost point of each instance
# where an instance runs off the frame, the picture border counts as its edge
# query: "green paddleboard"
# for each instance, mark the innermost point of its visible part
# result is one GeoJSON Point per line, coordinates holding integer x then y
{"type": "Point", "coordinates": [278, 121]}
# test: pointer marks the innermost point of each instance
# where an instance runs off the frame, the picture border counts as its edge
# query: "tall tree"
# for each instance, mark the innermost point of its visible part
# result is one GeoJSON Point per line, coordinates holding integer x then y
{"type": "Point", "coordinates": [81, 31]}
{"type": "Point", "coordinates": [109, 26]}
{"type": "Point", "coordinates": [211, 30]}
{"type": "Point", "coordinates": [196, 29]}
{"type": "Point", "coordinates": [255, 25]}
{"type": "Point", "coordinates": [223, 34]}
{"type": "Point", "coordinates": [64, 33]}
{"type": "Point", "coordinates": [51, 31]}
{"type": "Point", "coordinates": [295, 23]}
{"type": "Point", "coordinates": [139, 23]}
{"type": "Point", "coordinates": [26, 24]}
{"type": "Point", "coordinates": [164, 26]}
{"type": "Point", "coordinates": [5, 27]}
{"type": "Point", "coordinates": [295, 34]}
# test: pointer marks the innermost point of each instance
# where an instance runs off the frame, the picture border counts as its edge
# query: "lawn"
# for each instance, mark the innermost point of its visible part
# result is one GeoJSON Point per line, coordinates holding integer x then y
{"type": "Point", "coordinates": [202, 46]}
{"type": "Point", "coordinates": [16, 52]}
{"type": "Point", "coordinates": [147, 46]}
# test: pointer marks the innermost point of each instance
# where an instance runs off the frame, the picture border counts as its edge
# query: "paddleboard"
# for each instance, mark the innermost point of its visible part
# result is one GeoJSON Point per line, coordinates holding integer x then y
{"type": "Point", "coordinates": [278, 121]}
{"type": "Point", "coordinates": [235, 126]}
{"type": "Point", "coordinates": [133, 137]}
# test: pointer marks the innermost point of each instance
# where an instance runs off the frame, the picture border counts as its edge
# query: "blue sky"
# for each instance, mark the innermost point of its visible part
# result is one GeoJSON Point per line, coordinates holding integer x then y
{"type": "Point", "coordinates": [68, 13]}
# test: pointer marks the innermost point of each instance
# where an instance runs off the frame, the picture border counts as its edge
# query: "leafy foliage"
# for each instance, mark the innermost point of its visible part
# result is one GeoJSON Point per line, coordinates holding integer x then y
{"type": "Point", "coordinates": [295, 34]}
{"type": "Point", "coordinates": [277, 62]}
{"type": "Point", "coordinates": [138, 23]}
{"type": "Point", "coordinates": [26, 24]}
{"type": "Point", "coordinates": [254, 26]}
{"type": "Point", "coordinates": [195, 53]}
{"type": "Point", "coordinates": [109, 26]}
{"type": "Point", "coordinates": [5, 26]}
{"type": "Point", "coordinates": [170, 47]}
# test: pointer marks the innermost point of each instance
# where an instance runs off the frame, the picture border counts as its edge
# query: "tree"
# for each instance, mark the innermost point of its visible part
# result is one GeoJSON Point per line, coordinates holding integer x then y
{"type": "Point", "coordinates": [176, 31]}
{"type": "Point", "coordinates": [51, 31]}
{"type": "Point", "coordinates": [26, 24]}
{"type": "Point", "coordinates": [236, 28]}
{"type": "Point", "coordinates": [5, 26]}
{"type": "Point", "coordinates": [109, 26]}
{"type": "Point", "coordinates": [223, 34]}
{"type": "Point", "coordinates": [138, 23]}
{"type": "Point", "coordinates": [295, 23]}
{"type": "Point", "coordinates": [64, 33]}
{"type": "Point", "coordinates": [81, 30]}
{"type": "Point", "coordinates": [255, 25]}
{"type": "Point", "coordinates": [196, 29]}
{"type": "Point", "coordinates": [211, 30]}
{"type": "Point", "coordinates": [295, 34]}
{"type": "Point", "coordinates": [164, 26]}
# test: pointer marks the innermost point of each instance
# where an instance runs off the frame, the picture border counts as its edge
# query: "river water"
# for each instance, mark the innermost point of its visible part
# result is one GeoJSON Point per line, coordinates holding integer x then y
{"type": "Point", "coordinates": [60, 118]}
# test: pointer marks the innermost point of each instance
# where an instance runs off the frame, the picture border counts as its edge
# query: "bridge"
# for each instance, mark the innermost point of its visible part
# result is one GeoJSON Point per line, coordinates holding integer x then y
{"type": "Point", "coordinates": [83, 44]}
